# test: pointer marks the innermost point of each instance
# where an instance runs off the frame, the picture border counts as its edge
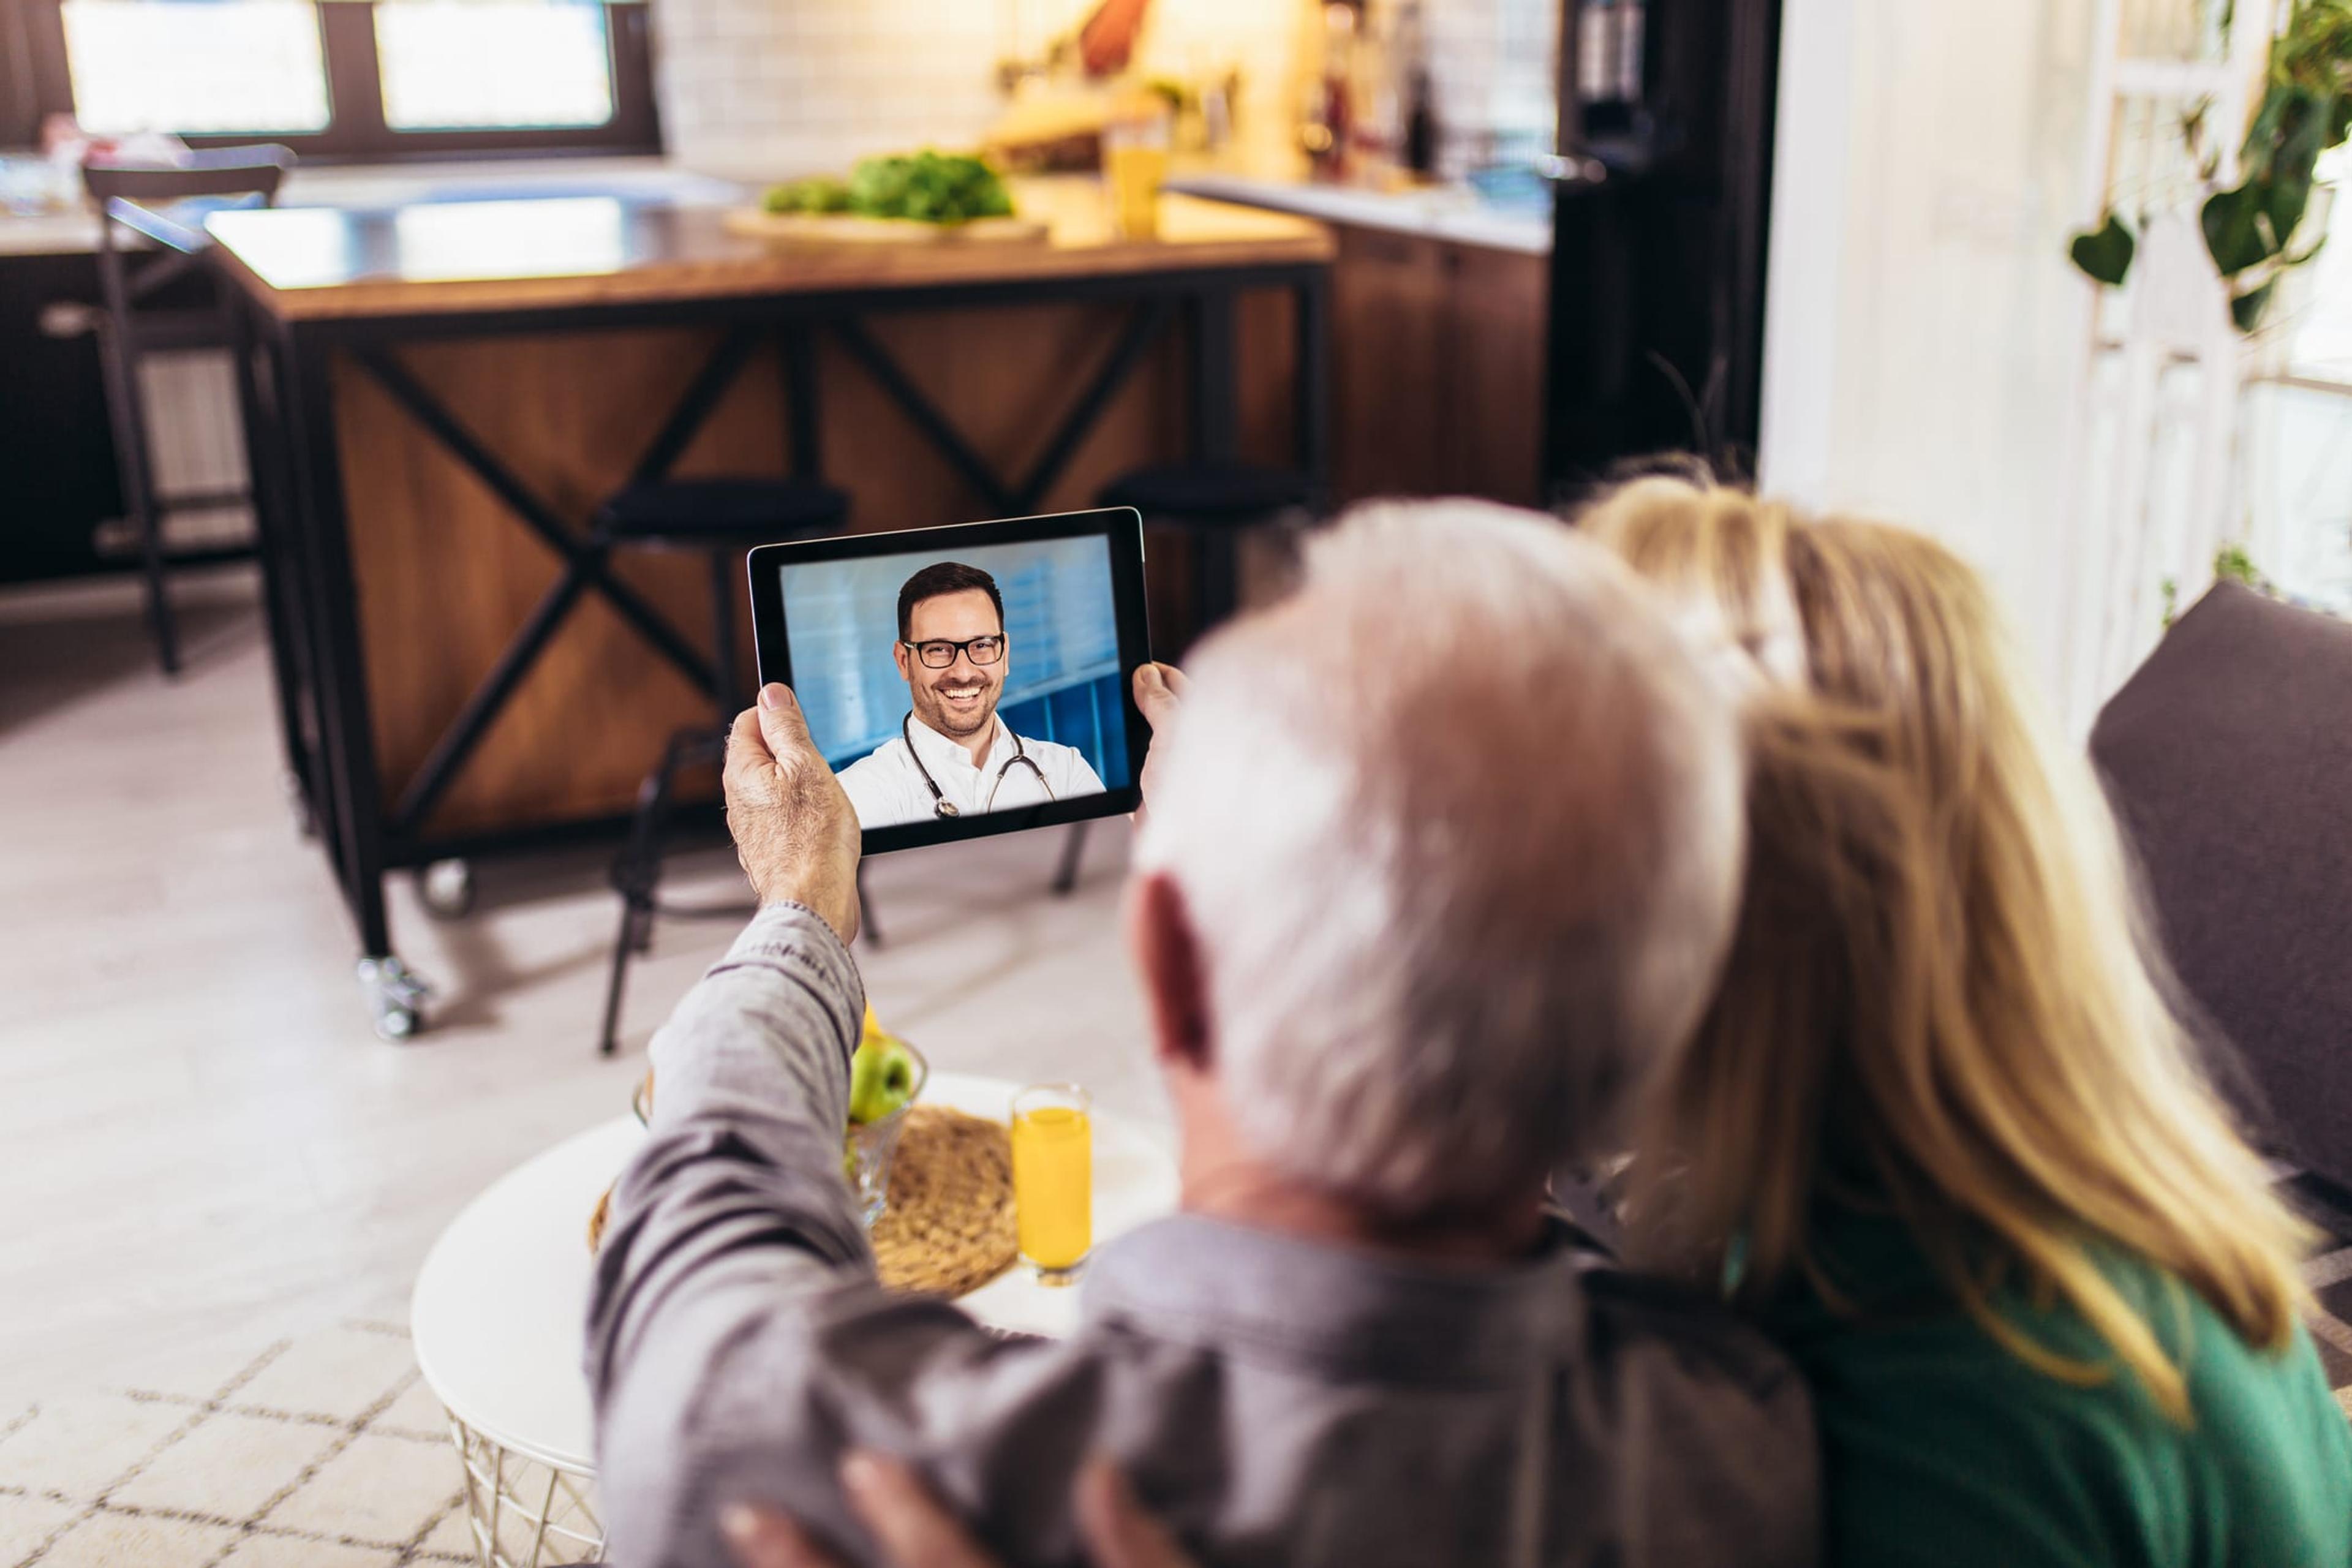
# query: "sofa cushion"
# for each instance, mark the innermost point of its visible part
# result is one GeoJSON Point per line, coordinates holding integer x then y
{"type": "Point", "coordinates": [2228, 758]}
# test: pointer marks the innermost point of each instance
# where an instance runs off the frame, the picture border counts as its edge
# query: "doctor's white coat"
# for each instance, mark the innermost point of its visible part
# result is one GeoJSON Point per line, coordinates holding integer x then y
{"type": "Point", "coordinates": [887, 788]}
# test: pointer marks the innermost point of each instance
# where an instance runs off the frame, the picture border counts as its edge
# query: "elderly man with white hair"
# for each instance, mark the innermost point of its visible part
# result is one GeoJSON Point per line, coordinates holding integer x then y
{"type": "Point", "coordinates": [1438, 854]}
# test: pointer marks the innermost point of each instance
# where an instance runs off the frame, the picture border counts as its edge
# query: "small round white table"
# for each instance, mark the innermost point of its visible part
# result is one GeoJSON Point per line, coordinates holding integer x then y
{"type": "Point", "coordinates": [500, 1303]}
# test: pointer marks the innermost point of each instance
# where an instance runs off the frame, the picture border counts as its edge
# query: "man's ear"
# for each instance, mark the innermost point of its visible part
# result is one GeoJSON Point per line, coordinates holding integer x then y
{"type": "Point", "coordinates": [1167, 952]}
{"type": "Point", "coordinates": [899, 654]}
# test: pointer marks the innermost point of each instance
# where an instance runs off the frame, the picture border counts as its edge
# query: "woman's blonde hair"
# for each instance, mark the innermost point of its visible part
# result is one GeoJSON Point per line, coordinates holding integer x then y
{"type": "Point", "coordinates": [1939, 1002]}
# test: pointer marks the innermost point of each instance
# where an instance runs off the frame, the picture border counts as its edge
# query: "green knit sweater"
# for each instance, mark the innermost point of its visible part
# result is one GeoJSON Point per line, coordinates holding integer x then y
{"type": "Point", "coordinates": [1941, 1447]}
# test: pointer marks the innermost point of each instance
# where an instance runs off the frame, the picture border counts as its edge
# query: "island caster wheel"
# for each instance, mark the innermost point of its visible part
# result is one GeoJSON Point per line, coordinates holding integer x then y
{"type": "Point", "coordinates": [395, 996]}
{"type": "Point", "coordinates": [297, 801]}
{"type": "Point", "coordinates": [447, 889]}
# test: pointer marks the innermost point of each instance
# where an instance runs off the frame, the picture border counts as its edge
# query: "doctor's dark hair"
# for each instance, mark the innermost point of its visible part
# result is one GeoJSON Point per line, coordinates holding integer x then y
{"type": "Point", "coordinates": [940, 578]}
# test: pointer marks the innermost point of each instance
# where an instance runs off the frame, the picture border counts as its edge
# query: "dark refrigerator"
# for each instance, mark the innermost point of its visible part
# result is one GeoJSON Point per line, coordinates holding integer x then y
{"type": "Point", "coordinates": [1662, 191]}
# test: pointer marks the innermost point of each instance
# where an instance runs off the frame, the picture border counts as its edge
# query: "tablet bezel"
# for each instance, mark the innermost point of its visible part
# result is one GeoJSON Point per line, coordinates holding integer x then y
{"type": "Point", "coordinates": [1120, 527]}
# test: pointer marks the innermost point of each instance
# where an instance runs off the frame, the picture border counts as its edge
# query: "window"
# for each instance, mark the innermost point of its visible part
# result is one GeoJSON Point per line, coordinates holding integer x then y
{"type": "Point", "coordinates": [352, 79]}
{"type": "Point", "coordinates": [448, 64]}
{"type": "Point", "coordinates": [2296, 442]}
{"type": "Point", "coordinates": [243, 66]}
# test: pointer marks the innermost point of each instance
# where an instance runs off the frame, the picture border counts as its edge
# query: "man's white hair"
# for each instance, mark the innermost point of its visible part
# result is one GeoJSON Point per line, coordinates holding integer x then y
{"type": "Point", "coordinates": [1459, 826]}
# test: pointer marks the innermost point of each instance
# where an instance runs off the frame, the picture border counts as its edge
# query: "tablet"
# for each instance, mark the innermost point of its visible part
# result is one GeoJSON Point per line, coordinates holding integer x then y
{"type": "Point", "coordinates": [969, 679]}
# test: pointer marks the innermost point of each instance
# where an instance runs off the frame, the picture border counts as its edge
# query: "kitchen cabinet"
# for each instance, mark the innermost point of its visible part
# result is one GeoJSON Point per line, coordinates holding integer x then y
{"type": "Point", "coordinates": [1437, 357]}
{"type": "Point", "coordinates": [56, 454]}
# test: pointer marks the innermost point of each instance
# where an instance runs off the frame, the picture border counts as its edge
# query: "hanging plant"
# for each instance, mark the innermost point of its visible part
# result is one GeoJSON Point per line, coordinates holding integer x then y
{"type": "Point", "coordinates": [2305, 109]}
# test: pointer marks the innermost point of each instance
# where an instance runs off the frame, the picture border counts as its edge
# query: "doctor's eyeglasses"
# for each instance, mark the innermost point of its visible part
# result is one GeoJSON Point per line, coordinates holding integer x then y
{"type": "Point", "coordinates": [940, 654]}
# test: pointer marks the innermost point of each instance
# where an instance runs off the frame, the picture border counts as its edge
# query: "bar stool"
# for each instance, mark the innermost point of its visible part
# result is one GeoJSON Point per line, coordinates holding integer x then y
{"type": "Point", "coordinates": [720, 518]}
{"type": "Point", "coordinates": [1214, 501]}
{"type": "Point", "coordinates": [162, 203]}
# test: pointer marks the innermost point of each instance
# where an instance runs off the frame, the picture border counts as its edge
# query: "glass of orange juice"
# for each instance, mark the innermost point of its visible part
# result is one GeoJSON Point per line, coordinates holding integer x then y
{"type": "Point", "coordinates": [1135, 164]}
{"type": "Point", "coordinates": [1054, 1178]}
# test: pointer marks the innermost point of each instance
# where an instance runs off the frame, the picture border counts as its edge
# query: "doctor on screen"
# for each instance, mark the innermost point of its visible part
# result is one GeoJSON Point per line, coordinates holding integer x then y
{"type": "Point", "coordinates": [953, 756]}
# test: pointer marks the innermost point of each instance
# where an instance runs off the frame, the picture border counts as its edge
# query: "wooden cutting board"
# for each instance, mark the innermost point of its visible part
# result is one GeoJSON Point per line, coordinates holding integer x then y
{"type": "Point", "coordinates": [846, 228]}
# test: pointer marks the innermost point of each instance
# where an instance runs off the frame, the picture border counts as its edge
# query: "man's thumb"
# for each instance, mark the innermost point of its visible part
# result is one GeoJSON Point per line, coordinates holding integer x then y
{"type": "Point", "coordinates": [782, 724]}
{"type": "Point", "coordinates": [1158, 688]}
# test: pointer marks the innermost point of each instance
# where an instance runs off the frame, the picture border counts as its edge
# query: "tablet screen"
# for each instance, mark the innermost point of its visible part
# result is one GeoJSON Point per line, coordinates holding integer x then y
{"type": "Point", "coordinates": [954, 683]}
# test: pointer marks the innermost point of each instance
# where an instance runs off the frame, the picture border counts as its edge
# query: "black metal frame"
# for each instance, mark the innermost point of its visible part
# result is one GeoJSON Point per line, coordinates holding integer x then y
{"type": "Point", "coordinates": [321, 675]}
{"type": "Point", "coordinates": [39, 82]}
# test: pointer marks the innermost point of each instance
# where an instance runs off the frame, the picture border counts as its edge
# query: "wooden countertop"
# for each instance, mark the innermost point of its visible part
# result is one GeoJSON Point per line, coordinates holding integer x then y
{"type": "Point", "coordinates": [1452, 214]}
{"type": "Point", "coordinates": [340, 263]}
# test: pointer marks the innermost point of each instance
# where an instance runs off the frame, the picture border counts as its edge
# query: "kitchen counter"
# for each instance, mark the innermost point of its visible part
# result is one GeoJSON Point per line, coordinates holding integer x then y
{"type": "Point", "coordinates": [396, 184]}
{"type": "Point", "coordinates": [1449, 213]}
{"type": "Point", "coordinates": [49, 233]}
{"type": "Point", "coordinates": [376, 185]}
{"type": "Point", "coordinates": [309, 263]}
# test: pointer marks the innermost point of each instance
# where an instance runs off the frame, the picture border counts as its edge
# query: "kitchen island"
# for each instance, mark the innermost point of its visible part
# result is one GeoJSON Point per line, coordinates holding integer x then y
{"type": "Point", "coordinates": [444, 392]}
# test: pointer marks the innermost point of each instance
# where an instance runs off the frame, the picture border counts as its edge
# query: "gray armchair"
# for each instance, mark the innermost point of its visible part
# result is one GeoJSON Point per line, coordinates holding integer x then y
{"type": "Point", "coordinates": [2228, 758]}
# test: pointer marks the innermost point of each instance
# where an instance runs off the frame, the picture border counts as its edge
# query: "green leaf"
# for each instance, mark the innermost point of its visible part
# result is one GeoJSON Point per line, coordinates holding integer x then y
{"type": "Point", "coordinates": [2246, 310]}
{"type": "Point", "coordinates": [2283, 201]}
{"type": "Point", "coordinates": [929, 187]}
{"type": "Point", "coordinates": [2262, 133]}
{"type": "Point", "coordinates": [817, 193]}
{"type": "Point", "coordinates": [2104, 255]}
{"type": "Point", "coordinates": [2233, 234]}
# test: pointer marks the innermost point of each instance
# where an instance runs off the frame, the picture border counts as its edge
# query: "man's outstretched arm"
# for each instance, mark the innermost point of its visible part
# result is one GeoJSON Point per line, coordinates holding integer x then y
{"type": "Point", "coordinates": [732, 1227]}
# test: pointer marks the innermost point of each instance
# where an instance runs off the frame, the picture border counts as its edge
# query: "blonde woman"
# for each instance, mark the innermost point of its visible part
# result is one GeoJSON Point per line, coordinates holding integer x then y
{"type": "Point", "coordinates": [1940, 1131]}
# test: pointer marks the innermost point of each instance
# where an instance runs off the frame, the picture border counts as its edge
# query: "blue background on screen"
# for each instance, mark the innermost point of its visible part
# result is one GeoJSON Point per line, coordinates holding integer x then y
{"type": "Point", "coordinates": [841, 619]}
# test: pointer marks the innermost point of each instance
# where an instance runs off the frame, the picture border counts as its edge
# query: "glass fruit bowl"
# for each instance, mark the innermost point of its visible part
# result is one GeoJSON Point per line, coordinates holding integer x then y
{"type": "Point", "coordinates": [866, 1159]}
{"type": "Point", "coordinates": [867, 1148]}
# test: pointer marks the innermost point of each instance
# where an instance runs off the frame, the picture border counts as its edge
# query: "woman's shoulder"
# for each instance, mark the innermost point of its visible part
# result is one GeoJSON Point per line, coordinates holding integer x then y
{"type": "Point", "coordinates": [1879, 1312]}
{"type": "Point", "coordinates": [1928, 1415]}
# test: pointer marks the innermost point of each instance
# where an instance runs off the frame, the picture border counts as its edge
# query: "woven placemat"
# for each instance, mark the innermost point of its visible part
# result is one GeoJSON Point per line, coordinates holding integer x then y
{"type": "Point", "coordinates": [949, 1228]}
{"type": "Point", "coordinates": [950, 1225]}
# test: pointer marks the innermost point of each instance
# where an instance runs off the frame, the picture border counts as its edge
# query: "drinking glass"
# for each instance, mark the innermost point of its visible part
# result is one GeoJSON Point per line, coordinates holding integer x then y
{"type": "Point", "coordinates": [1054, 1178]}
{"type": "Point", "coordinates": [1135, 164]}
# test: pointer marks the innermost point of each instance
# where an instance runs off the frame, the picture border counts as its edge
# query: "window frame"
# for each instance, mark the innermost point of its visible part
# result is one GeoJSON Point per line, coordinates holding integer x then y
{"type": "Point", "coordinates": [356, 132]}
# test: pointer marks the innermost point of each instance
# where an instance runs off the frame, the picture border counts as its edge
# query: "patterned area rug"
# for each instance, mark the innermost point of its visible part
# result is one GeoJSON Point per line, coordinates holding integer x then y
{"type": "Point", "coordinates": [321, 1452]}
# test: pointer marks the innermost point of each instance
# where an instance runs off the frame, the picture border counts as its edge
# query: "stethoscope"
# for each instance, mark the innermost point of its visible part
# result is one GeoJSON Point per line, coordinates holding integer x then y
{"type": "Point", "coordinates": [941, 805]}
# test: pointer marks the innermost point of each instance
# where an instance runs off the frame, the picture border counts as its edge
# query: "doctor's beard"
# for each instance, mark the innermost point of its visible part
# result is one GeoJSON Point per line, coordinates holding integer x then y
{"type": "Point", "coordinates": [959, 721]}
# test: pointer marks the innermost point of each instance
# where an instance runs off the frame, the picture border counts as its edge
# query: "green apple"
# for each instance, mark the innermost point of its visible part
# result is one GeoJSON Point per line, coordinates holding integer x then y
{"type": "Point", "coordinates": [881, 1080]}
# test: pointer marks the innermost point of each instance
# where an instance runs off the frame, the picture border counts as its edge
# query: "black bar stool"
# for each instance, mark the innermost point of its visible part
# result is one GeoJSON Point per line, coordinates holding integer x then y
{"type": "Point", "coordinates": [166, 204]}
{"type": "Point", "coordinates": [1216, 502]}
{"type": "Point", "coordinates": [721, 517]}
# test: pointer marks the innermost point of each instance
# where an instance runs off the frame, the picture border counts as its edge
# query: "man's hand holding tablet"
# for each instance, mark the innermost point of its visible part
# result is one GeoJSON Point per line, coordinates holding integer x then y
{"type": "Point", "coordinates": [793, 827]}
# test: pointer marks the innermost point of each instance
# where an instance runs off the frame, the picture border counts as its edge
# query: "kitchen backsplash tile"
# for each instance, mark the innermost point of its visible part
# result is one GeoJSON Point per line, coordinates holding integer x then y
{"type": "Point", "coordinates": [767, 88]}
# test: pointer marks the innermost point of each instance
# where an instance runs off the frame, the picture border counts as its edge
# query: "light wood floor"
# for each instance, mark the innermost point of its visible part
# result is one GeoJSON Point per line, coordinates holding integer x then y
{"type": "Point", "coordinates": [198, 1133]}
